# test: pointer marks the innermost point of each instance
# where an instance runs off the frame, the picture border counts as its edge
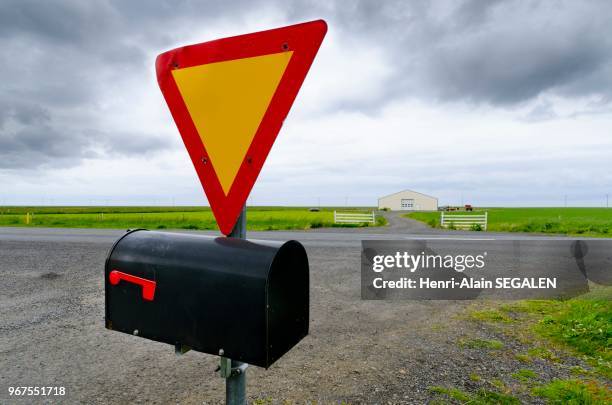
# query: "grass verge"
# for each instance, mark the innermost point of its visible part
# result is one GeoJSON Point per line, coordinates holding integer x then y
{"type": "Point", "coordinates": [572, 336]}
{"type": "Point", "coordinates": [573, 391]}
{"type": "Point", "coordinates": [583, 325]}
{"type": "Point", "coordinates": [568, 221]}
{"type": "Point", "coordinates": [258, 218]}
{"type": "Point", "coordinates": [480, 397]}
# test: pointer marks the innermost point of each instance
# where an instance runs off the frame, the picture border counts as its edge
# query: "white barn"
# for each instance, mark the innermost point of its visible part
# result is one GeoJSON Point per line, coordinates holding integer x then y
{"type": "Point", "coordinates": [408, 200]}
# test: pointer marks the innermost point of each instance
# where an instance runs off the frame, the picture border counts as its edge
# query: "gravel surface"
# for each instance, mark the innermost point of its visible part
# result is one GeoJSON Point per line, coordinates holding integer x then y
{"type": "Point", "coordinates": [52, 333]}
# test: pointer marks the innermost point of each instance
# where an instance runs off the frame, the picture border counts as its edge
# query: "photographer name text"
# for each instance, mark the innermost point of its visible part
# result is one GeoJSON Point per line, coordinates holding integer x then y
{"type": "Point", "coordinates": [468, 283]}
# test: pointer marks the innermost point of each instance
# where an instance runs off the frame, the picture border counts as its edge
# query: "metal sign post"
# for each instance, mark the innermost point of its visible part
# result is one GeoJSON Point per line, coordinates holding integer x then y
{"type": "Point", "coordinates": [234, 371]}
{"type": "Point", "coordinates": [201, 83]}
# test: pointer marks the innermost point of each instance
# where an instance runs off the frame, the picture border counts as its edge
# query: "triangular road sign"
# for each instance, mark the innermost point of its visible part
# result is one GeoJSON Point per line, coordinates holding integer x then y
{"type": "Point", "coordinates": [229, 99]}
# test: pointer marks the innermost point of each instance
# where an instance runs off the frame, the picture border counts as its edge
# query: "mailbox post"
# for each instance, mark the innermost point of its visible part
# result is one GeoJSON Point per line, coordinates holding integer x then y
{"type": "Point", "coordinates": [244, 300]}
{"type": "Point", "coordinates": [235, 377]}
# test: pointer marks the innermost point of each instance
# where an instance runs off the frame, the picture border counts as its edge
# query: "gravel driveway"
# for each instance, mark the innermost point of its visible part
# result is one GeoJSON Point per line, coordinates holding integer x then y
{"type": "Point", "coordinates": [52, 333]}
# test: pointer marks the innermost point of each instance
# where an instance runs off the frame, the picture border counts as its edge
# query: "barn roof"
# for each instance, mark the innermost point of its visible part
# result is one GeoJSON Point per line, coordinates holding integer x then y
{"type": "Point", "coordinates": [412, 191]}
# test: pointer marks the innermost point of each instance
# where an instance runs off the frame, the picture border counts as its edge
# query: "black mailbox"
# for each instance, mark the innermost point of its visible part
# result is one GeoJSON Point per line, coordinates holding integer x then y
{"type": "Point", "coordinates": [248, 298]}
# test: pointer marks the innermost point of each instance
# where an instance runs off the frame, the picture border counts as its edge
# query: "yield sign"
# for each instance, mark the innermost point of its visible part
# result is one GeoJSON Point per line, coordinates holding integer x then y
{"type": "Point", "coordinates": [229, 99]}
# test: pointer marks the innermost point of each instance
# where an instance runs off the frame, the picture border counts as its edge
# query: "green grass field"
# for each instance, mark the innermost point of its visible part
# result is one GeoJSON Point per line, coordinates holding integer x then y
{"type": "Point", "coordinates": [258, 218]}
{"type": "Point", "coordinates": [575, 334]}
{"type": "Point", "coordinates": [568, 221]}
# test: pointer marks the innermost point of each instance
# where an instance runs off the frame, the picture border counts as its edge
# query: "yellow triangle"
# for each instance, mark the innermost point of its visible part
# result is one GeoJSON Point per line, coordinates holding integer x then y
{"type": "Point", "coordinates": [227, 101]}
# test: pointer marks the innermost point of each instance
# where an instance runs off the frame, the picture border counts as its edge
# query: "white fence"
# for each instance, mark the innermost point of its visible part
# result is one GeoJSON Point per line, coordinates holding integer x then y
{"type": "Point", "coordinates": [464, 221]}
{"type": "Point", "coordinates": [354, 217]}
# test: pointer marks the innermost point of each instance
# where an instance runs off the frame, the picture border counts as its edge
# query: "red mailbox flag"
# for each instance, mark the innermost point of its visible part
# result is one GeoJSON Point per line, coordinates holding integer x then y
{"type": "Point", "coordinates": [229, 98]}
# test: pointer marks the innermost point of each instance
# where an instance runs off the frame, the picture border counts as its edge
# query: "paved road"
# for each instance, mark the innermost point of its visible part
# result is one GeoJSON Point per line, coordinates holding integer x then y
{"type": "Point", "coordinates": [52, 330]}
{"type": "Point", "coordinates": [398, 228]}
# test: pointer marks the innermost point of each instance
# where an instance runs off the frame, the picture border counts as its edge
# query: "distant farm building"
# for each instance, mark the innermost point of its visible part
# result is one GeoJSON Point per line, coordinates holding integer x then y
{"type": "Point", "coordinates": [408, 200]}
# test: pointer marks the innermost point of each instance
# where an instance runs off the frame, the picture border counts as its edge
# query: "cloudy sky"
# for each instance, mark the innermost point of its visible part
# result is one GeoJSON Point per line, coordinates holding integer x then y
{"type": "Point", "coordinates": [485, 102]}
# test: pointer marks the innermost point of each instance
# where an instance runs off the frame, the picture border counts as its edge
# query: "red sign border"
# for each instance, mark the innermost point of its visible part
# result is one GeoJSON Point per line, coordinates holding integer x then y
{"type": "Point", "coordinates": [304, 40]}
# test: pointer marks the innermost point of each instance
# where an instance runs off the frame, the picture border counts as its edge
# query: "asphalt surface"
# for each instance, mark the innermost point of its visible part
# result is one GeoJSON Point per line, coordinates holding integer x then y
{"type": "Point", "coordinates": [398, 229]}
{"type": "Point", "coordinates": [52, 329]}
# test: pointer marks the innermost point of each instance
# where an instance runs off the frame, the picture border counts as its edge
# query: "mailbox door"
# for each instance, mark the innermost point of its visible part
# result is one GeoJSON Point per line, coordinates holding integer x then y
{"type": "Point", "coordinates": [288, 299]}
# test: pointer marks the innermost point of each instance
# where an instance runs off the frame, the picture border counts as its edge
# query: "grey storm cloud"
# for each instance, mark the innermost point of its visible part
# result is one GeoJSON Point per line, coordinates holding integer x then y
{"type": "Point", "coordinates": [36, 142]}
{"type": "Point", "coordinates": [59, 56]}
{"type": "Point", "coordinates": [506, 62]}
{"type": "Point", "coordinates": [494, 52]}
